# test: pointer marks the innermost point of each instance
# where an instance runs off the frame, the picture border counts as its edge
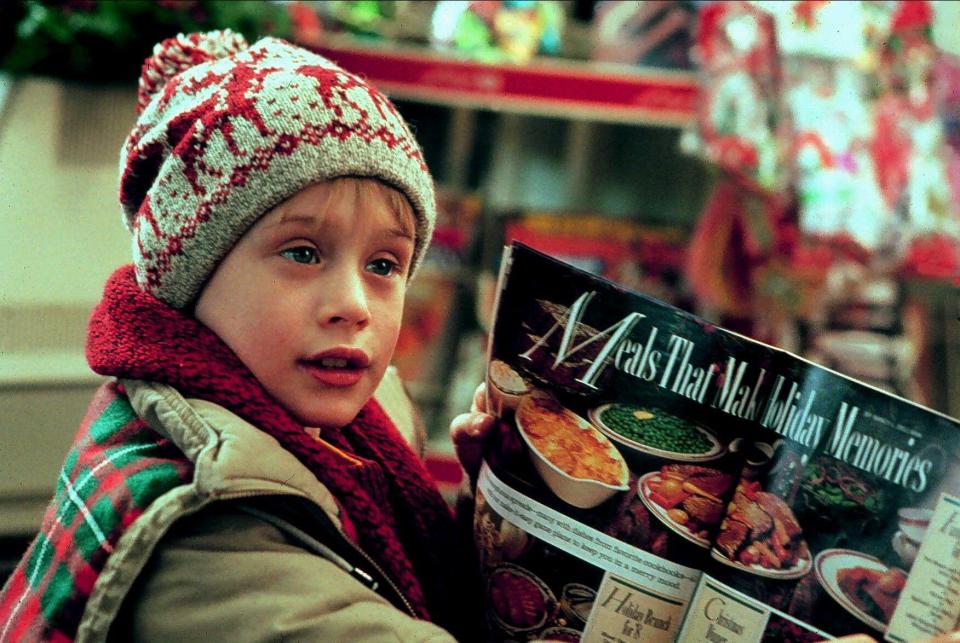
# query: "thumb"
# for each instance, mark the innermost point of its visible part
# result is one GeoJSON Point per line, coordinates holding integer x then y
{"type": "Point", "coordinates": [468, 432]}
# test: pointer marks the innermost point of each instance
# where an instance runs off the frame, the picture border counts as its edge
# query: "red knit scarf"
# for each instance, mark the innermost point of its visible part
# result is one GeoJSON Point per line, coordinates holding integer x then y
{"type": "Point", "coordinates": [399, 516]}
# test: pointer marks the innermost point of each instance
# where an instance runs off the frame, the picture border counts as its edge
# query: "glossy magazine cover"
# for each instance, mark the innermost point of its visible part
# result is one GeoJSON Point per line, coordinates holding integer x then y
{"type": "Point", "coordinates": [657, 478]}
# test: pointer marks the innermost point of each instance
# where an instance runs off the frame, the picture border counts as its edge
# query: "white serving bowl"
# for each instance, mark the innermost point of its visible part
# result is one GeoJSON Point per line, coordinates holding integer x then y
{"type": "Point", "coordinates": [506, 387]}
{"type": "Point", "coordinates": [913, 522]}
{"type": "Point", "coordinates": [904, 548]}
{"type": "Point", "coordinates": [583, 493]}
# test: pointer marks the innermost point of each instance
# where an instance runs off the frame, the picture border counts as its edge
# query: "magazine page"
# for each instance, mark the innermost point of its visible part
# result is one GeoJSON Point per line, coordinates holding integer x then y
{"type": "Point", "coordinates": [844, 520]}
{"type": "Point", "coordinates": [616, 458]}
{"type": "Point", "coordinates": [655, 478]}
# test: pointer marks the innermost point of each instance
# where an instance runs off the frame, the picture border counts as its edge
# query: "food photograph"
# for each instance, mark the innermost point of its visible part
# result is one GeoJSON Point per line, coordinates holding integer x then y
{"type": "Point", "coordinates": [806, 493]}
{"type": "Point", "coordinates": [656, 432]}
{"type": "Point", "coordinates": [533, 591]}
{"type": "Point", "coordinates": [576, 461]}
{"type": "Point", "coordinates": [830, 547]}
{"type": "Point", "coordinates": [760, 535]}
{"type": "Point", "coordinates": [862, 584]}
{"type": "Point", "coordinates": [686, 498]}
{"type": "Point", "coordinates": [621, 467]}
{"type": "Point", "coordinates": [662, 490]}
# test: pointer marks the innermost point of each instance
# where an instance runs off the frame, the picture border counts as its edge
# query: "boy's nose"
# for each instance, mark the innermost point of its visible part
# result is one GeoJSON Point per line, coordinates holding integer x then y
{"type": "Point", "coordinates": [346, 300]}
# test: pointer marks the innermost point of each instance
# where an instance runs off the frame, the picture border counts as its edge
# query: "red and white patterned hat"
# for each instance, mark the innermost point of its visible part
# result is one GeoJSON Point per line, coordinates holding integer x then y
{"type": "Point", "coordinates": [226, 132]}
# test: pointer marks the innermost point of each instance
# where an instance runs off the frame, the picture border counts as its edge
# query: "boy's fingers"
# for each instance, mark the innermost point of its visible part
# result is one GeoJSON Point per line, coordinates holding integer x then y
{"type": "Point", "coordinates": [470, 427]}
{"type": "Point", "coordinates": [480, 398]}
{"type": "Point", "coordinates": [863, 638]}
{"type": "Point", "coordinates": [946, 638]}
{"type": "Point", "coordinates": [468, 432]}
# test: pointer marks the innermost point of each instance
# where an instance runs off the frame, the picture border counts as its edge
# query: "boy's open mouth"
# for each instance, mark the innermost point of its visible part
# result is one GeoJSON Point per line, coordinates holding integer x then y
{"type": "Point", "coordinates": [339, 367]}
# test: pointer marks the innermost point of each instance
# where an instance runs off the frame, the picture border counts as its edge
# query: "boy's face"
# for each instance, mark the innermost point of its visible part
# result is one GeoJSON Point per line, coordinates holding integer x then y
{"type": "Point", "coordinates": [311, 297]}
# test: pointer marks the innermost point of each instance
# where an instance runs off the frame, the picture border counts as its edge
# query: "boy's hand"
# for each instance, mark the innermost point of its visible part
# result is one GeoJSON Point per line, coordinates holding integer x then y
{"type": "Point", "coordinates": [468, 431]}
{"type": "Point", "coordinates": [863, 638]}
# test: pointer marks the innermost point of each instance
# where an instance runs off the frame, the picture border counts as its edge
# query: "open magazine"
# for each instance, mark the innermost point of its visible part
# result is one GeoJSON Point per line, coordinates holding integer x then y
{"type": "Point", "coordinates": [657, 478]}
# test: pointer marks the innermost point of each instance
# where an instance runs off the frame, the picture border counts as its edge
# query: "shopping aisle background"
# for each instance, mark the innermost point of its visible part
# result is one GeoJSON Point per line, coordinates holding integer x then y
{"type": "Point", "coordinates": [519, 149]}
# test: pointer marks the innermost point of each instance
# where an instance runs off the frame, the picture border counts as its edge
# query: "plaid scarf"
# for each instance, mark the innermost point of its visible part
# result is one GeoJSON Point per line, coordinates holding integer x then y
{"type": "Point", "coordinates": [119, 466]}
{"type": "Point", "coordinates": [116, 468]}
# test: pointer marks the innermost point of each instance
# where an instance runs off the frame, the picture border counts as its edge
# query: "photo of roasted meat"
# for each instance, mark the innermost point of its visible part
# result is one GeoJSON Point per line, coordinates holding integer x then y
{"type": "Point", "coordinates": [709, 511]}
{"type": "Point", "coordinates": [761, 534]}
{"type": "Point", "coordinates": [704, 478]}
{"type": "Point", "coordinates": [873, 591]}
{"type": "Point", "coordinates": [783, 520]}
{"type": "Point", "coordinates": [753, 515]}
{"type": "Point", "coordinates": [732, 536]}
{"type": "Point", "coordinates": [862, 584]}
{"type": "Point", "coordinates": [687, 498]}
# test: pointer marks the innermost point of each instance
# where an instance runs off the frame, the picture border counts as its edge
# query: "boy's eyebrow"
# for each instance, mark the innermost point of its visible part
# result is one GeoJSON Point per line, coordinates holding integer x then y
{"type": "Point", "coordinates": [286, 218]}
{"type": "Point", "coordinates": [401, 231]}
{"type": "Point", "coordinates": [396, 230]}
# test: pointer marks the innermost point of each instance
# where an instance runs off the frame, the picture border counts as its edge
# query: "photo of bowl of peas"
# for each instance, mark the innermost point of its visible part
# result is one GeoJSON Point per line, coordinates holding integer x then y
{"type": "Point", "coordinates": [651, 431]}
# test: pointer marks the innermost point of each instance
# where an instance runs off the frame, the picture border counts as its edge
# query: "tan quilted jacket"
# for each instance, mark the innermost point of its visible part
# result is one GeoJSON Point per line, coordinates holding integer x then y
{"type": "Point", "coordinates": [202, 565]}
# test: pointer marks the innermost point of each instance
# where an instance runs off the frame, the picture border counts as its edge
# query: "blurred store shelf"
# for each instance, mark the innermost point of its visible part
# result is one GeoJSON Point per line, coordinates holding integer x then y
{"type": "Point", "coordinates": [568, 89]}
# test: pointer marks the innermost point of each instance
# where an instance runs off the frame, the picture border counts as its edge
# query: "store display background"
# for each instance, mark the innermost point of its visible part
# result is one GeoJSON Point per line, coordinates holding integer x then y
{"type": "Point", "coordinates": [60, 236]}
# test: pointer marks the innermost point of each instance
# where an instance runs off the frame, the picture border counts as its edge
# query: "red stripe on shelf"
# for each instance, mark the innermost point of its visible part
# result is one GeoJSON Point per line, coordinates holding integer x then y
{"type": "Point", "coordinates": [589, 89]}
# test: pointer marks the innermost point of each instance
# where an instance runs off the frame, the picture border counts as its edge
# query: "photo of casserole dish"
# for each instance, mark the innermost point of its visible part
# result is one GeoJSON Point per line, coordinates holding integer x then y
{"type": "Point", "coordinates": [576, 461]}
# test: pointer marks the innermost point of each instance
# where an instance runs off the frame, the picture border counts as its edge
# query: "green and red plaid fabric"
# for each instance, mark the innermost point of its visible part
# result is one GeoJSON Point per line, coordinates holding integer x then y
{"type": "Point", "coordinates": [118, 466]}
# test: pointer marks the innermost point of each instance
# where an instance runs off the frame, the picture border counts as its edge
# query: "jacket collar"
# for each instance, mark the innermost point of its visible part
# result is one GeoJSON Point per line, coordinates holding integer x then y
{"type": "Point", "coordinates": [230, 455]}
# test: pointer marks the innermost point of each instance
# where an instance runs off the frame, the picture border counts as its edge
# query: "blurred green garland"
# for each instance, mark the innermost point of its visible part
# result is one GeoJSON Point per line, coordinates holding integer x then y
{"type": "Point", "coordinates": [107, 40]}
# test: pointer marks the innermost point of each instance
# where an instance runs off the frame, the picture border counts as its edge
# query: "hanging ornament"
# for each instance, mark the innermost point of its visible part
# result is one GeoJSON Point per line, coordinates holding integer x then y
{"type": "Point", "coordinates": [737, 118]}
{"type": "Point", "coordinates": [928, 207]}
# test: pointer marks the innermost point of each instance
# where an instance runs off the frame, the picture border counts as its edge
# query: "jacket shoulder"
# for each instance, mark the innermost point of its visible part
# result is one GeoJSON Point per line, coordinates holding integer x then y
{"type": "Point", "coordinates": [116, 468]}
{"type": "Point", "coordinates": [234, 574]}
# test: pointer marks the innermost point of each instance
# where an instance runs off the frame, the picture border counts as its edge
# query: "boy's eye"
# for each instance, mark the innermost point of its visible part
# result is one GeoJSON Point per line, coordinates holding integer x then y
{"type": "Point", "coordinates": [301, 254]}
{"type": "Point", "coordinates": [383, 267]}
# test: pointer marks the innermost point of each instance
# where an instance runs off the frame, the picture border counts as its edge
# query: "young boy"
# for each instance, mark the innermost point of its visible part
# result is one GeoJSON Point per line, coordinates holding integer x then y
{"type": "Point", "coordinates": [237, 478]}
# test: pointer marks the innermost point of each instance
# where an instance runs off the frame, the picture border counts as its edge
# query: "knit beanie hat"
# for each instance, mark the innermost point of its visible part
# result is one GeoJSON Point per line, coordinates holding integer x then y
{"type": "Point", "coordinates": [227, 131]}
